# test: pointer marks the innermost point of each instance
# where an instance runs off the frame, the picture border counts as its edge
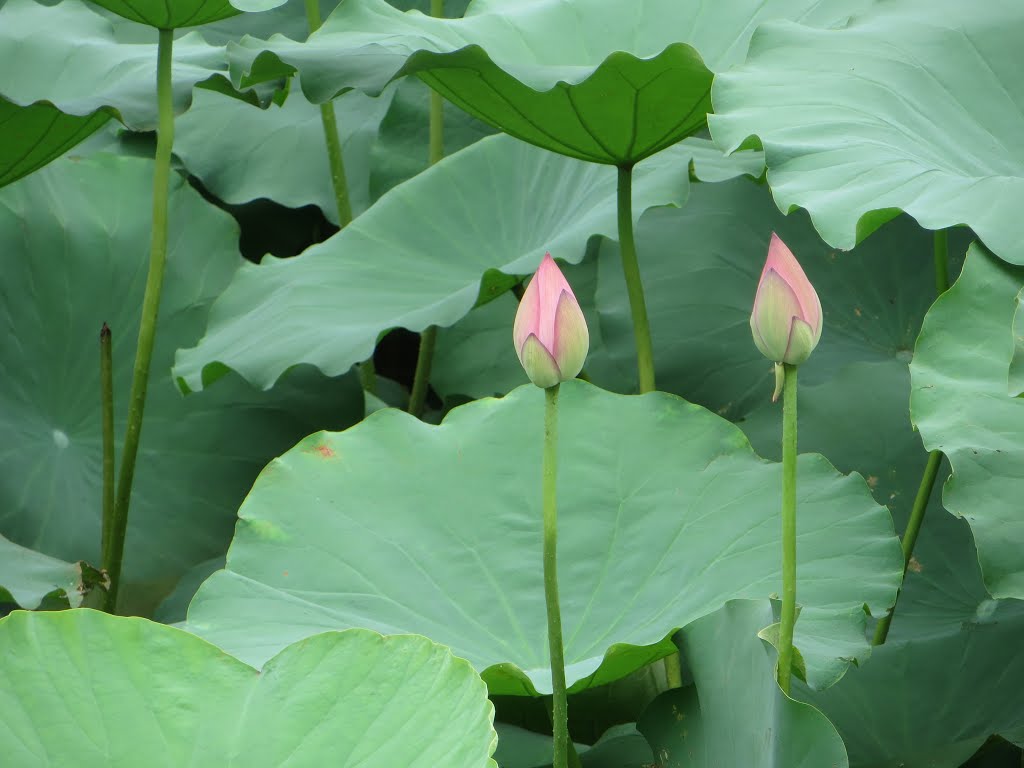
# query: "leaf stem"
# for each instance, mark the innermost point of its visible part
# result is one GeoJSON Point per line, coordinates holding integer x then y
{"type": "Point", "coordinates": [559, 713]}
{"type": "Point", "coordinates": [339, 181]}
{"type": "Point", "coordinates": [428, 339]}
{"type": "Point", "coordinates": [924, 492]}
{"type": "Point", "coordinates": [788, 617]}
{"type": "Point", "coordinates": [634, 286]}
{"type": "Point", "coordinates": [330, 124]}
{"type": "Point", "coordinates": [931, 468]}
{"type": "Point", "coordinates": [107, 417]}
{"type": "Point", "coordinates": [424, 362]}
{"type": "Point", "coordinates": [150, 311]}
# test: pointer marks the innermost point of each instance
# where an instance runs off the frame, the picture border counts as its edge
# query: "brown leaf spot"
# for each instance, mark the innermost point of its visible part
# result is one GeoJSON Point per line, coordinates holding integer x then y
{"type": "Point", "coordinates": [914, 565]}
{"type": "Point", "coordinates": [325, 451]}
{"type": "Point", "coordinates": [856, 311]}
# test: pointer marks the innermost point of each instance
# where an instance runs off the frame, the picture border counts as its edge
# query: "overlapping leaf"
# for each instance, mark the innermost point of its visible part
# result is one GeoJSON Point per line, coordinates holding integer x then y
{"type": "Point", "coordinates": [327, 539]}
{"type": "Point", "coordinates": [73, 257]}
{"type": "Point", "coordinates": [917, 106]}
{"type": "Point", "coordinates": [421, 256]}
{"type": "Point", "coordinates": [174, 14]}
{"type": "Point", "coordinates": [949, 674]}
{"type": "Point", "coordinates": [85, 688]}
{"type": "Point", "coordinates": [588, 78]}
{"type": "Point", "coordinates": [242, 153]}
{"type": "Point", "coordinates": [961, 406]}
{"type": "Point", "coordinates": [27, 577]}
{"type": "Point", "coordinates": [69, 56]}
{"type": "Point", "coordinates": [735, 714]}
{"type": "Point", "coordinates": [31, 136]}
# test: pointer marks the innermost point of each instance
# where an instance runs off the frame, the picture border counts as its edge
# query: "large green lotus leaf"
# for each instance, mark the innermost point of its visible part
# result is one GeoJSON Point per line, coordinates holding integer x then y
{"type": "Point", "coordinates": [174, 14]}
{"type": "Point", "coordinates": [916, 106]}
{"type": "Point", "coordinates": [664, 518]}
{"type": "Point", "coordinates": [27, 577]}
{"type": "Point", "coordinates": [960, 404]}
{"type": "Point", "coordinates": [31, 136]}
{"type": "Point", "coordinates": [86, 688]}
{"type": "Point", "coordinates": [70, 57]}
{"type": "Point", "coordinates": [242, 153]}
{"type": "Point", "coordinates": [73, 257]}
{"type": "Point", "coordinates": [423, 255]}
{"type": "Point", "coordinates": [590, 79]}
{"type": "Point", "coordinates": [735, 714]}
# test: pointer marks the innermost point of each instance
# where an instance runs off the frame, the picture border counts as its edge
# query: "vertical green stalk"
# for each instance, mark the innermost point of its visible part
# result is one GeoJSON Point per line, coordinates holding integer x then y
{"type": "Point", "coordinates": [788, 618]}
{"type": "Point", "coordinates": [336, 163]}
{"type": "Point", "coordinates": [421, 379]}
{"type": "Point", "coordinates": [107, 417]}
{"type": "Point", "coordinates": [634, 287]}
{"type": "Point", "coordinates": [428, 339]}
{"type": "Point", "coordinates": [931, 469]}
{"type": "Point", "coordinates": [150, 310]}
{"type": "Point", "coordinates": [924, 492]}
{"type": "Point", "coordinates": [559, 708]}
{"type": "Point", "coordinates": [330, 124]}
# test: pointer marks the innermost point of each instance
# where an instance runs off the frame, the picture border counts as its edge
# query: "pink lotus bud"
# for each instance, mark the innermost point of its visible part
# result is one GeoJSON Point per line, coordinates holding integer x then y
{"type": "Point", "coordinates": [550, 332]}
{"type": "Point", "coordinates": [786, 321]}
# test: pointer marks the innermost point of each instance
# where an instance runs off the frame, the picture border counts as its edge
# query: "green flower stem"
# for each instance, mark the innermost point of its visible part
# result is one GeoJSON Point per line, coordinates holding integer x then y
{"type": "Point", "coordinates": [424, 362]}
{"type": "Point", "coordinates": [924, 492]}
{"type": "Point", "coordinates": [559, 705]}
{"type": "Point", "coordinates": [107, 417]}
{"type": "Point", "coordinates": [339, 181]}
{"type": "Point", "coordinates": [788, 618]}
{"type": "Point", "coordinates": [428, 339]}
{"type": "Point", "coordinates": [634, 287]}
{"type": "Point", "coordinates": [150, 311]}
{"type": "Point", "coordinates": [330, 124]}
{"type": "Point", "coordinates": [931, 469]}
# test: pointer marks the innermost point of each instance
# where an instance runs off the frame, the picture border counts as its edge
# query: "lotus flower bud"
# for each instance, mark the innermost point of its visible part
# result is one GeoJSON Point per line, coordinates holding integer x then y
{"type": "Point", "coordinates": [550, 332]}
{"type": "Point", "coordinates": [786, 321]}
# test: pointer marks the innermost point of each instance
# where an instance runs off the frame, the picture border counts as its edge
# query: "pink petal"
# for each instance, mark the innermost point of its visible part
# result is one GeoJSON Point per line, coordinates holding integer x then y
{"type": "Point", "coordinates": [784, 263]}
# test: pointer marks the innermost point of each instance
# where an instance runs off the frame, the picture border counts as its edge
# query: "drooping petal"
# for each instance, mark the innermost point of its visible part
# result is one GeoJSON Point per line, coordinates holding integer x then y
{"type": "Point", "coordinates": [572, 337]}
{"type": "Point", "coordinates": [538, 363]}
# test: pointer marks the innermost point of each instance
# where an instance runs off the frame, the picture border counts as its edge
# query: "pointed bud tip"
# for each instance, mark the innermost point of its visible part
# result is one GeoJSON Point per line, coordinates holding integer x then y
{"type": "Point", "coordinates": [549, 318]}
{"type": "Point", "coordinates": [786, 320]}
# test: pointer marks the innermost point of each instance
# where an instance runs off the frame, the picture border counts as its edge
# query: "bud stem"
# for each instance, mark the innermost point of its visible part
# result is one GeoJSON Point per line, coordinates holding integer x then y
{"type": "Point", "coordinates": [424, 363]}
{"type": "Point", "coordinates": [788, 617]}
{"type": "Point", "coordinates": [634, 286]}
{"type": "Point", "coordinates": [559, 708]}
{"type": "Point", "coordinates": [147, 324]}
{"type": "Point", "coordinates": [428, 339]}
{"type": "Point", "coordinates": [107, 417]}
